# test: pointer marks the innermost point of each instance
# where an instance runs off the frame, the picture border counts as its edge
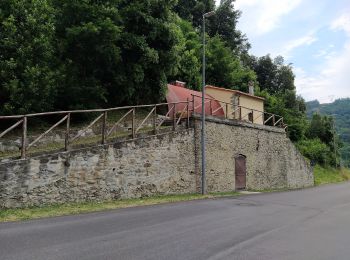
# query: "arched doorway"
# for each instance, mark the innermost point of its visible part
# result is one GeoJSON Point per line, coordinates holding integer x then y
{"type": "Point", "coordinates": [240, 172]}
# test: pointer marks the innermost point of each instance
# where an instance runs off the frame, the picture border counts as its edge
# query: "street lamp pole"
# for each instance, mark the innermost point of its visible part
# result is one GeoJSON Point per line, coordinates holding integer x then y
{"type": "Point", "coordinates": [206, 15]}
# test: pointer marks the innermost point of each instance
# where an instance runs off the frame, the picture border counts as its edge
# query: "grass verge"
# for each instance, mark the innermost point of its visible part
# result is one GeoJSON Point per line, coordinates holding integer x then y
{"type": "Point", "coordinates": [330, 175]}
{"type": "Point", "coordinates": [10, 215]}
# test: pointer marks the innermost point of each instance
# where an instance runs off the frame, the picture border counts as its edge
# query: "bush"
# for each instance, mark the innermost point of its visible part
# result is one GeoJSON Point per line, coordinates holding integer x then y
{"type": "Point", "coordinates": [315, 150]}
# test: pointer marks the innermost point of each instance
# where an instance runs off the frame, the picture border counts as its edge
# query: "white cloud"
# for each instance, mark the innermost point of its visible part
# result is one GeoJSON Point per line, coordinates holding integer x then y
{"type": "Point", "coordinates": [302, 41]}
{"type": "Point", "coordinates": [262, 16]}
{"type": "Point", "coordinates": [332, 82]}
{"type": "Point", "coordinates": [342, 23]}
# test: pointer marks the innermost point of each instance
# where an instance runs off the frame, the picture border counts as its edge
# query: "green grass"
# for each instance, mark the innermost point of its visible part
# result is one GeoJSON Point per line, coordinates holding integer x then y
{"type": "Point", "coordinates": [9, 215]}
{"type": "Point", "coordinates": [330, 175]}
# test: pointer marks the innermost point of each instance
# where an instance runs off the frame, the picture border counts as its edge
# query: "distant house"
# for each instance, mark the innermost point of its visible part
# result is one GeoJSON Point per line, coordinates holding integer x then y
{"type": "Point", "coordinates": [243, 106]}
{"type": "Point", "coordinates": [177, 92]}
{"type": "Point", "coordinates": [221, 102]}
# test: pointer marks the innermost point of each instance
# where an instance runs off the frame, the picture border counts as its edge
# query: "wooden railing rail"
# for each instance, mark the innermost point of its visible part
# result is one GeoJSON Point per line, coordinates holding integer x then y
{"type": "Point", "coordinates": [187, 108]}
{"type": "Point", "coordinates": [47, 131]}
{"type": "Point", "coordinates": [119, 121]}
{"type": "Point", "coordinates": [87, 128]}
{"type": "Point", "coordinates": [11, 128]}
{"type": "Point", "coordinates": [105, 133]}
{"type": "Point", "coordinates": [225, 107]}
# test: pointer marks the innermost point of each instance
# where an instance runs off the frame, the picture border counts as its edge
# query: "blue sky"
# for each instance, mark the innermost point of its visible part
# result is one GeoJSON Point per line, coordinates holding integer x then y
{"type": "Point", "coordinates": [312, 35]}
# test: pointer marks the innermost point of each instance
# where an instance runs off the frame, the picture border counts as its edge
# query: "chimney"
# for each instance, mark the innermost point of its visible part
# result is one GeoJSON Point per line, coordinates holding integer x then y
{"type": "Point", "coordinates": [179, 84]}
{"type": "Point", "coordinates": [251, 88]}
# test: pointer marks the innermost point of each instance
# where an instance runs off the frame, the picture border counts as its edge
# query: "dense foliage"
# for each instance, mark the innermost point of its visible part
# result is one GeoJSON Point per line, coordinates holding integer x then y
{"type": "Point", "coordinates": [27, 63]}
{"type": "Point", "coordinates": [64, 54]}
{"type": "Point", "coordinates": [340, 110]}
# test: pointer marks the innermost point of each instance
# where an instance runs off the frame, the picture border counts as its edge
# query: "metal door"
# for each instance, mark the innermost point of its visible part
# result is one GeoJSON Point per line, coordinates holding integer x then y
{"type": "Point", "coordinates": [241, 172]}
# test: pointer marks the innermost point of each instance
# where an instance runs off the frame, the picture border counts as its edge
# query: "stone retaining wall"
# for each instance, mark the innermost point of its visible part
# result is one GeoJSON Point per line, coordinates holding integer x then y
{"type": "Point", "coordinates": [156, 165]}
{"type": "Point", "coordinates": [163, 164]}
{"type": "Point", "coordinates": [272, 160]}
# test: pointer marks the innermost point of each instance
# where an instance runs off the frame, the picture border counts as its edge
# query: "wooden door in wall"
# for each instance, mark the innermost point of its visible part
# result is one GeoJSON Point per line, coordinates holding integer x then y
{"type": "Point", "coordinates": [240, 172]}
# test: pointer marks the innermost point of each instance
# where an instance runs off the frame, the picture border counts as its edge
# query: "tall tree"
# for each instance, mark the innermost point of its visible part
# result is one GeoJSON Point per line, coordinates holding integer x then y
{"type": "Point", "coordinates": [189, 51]}
{"type": "Point", "coordinates": [27, 74]}
{"type": "Point", "coordinates": [224, 23]}
{"type": "Point", "coordinates": [115, 52]}
{"type": "Point", "coordinates": [149, 52]}
{"type": "Point", "coordinates": [88, 39]}
{"type": "Point", "coordinates": [193, 10]}
{"type": "Point", "coordinates": [273, 75]}
{"type": "Point", "coordinates": [224, 69]}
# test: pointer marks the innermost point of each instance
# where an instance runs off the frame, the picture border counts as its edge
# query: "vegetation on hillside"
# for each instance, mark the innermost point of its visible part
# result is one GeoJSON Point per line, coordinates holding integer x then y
{"type": "Point", "coordinates": [63, 54]}
{"type": "Point", "coordinates": [340, 111]}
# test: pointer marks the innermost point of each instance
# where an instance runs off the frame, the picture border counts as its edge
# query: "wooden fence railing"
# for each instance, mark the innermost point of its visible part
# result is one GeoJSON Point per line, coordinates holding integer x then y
{"type": "Point", "coordinates": [244, 113]}
{"type": "Point", "coordinates": [102, 117]}
{"type": "Point", "coordinates": [173, 116]}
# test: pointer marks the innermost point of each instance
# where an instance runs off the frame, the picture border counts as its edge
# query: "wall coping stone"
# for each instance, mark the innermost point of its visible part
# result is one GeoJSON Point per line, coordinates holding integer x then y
{"type": "Point", "coordinates": [235, 122]}
{"type": "Point", "coordinates": [91, 148]}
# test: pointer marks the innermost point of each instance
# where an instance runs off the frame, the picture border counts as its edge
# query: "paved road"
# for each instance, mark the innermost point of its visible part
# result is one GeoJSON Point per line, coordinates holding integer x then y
{"type": "Point", "coordinates": [308, 224]}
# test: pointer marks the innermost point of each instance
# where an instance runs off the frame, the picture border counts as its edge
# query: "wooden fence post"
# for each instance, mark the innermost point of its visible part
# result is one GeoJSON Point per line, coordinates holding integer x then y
{"type": "Point", "coordinates": [133, 123]}
{"type": "Point", "coordinates": [66, 141]}
{"type": "Point", "coordinates": [211, 108]}
{"type": "Point", "coordinates": [193, 104]}
{"type": "Point", "coordinates": [174, 118]}
{"type": "Point", "coordinates": [104, 124]}
{"type": "Point", "coordinates": [155, 120]}
{"type": "Point", "coordinates": [188, 113]}
{"type": "Point", "coordinates": [24, 138]}
{"type": "Point", "coordinates": [226, 111]}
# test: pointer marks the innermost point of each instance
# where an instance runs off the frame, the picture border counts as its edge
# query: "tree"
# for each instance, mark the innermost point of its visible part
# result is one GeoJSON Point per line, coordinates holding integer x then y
{"type": "Point", "coordinates": [315, 150]}
{"type": "Point", "coordinates": [224, 69]}
{"type": "Point", "coordinates": [273, 75]}
{"type": "Point", "coordinates": [149, 48]}
{"type": "Point", "coordinates": [27, 73]}
{"type": "Point", "coordinates": [321, 127]}
{"type": "Point", "coordinates": [193, 10]}
{"type": "Point", "coordinates": [224, 24]}
{"type": "Point", "coordinates": [189, 51]}
{"type": "Point", "coordinates": [115, 52]}
{"type": "Point", "coordinates": [88, 38]}
{"type": "Point", "coordinates": [185, 8]}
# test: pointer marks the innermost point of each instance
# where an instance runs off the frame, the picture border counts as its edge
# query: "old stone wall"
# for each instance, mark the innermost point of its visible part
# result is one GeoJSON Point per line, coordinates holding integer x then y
{"type": "Point", "coordinates": [165, 164]}
{"type": "Point", "coordinates": [272, 160]}
{"type": "Point", "coordinates": [155, 165]}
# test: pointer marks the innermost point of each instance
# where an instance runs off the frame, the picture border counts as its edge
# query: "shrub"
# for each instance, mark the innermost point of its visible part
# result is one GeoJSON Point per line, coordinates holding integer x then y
{"type": "Point", "coordinates": [315, 150]}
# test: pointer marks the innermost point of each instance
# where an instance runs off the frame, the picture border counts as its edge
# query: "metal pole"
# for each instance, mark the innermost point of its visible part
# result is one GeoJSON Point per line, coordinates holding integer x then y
{"type": "Point", "coordinates": [203, 105]}
{"type": "Point", "coordinates": [203, 113]}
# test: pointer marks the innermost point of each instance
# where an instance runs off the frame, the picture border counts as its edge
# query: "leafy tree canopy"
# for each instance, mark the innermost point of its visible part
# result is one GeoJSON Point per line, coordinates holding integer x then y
{"type": "Point", "coordinates": [27, 74]}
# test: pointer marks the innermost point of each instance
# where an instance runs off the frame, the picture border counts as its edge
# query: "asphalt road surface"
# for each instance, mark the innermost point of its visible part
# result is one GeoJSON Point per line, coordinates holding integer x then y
{"type": "Point", "coordinates": [305, 224]}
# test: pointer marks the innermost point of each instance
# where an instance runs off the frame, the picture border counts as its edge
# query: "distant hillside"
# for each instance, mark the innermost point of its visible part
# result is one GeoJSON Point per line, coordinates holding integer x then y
{"type": "Point", "coordinates": [340, 109]}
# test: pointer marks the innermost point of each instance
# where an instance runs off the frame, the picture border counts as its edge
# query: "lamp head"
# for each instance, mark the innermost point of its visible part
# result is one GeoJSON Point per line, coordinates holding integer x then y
{"type": "Point", "coordinates": [209, 14]}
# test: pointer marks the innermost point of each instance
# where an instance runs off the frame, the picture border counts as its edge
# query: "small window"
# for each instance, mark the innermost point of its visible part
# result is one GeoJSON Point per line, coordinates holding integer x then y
{"type": "Point", "coordinates": [251, 117]}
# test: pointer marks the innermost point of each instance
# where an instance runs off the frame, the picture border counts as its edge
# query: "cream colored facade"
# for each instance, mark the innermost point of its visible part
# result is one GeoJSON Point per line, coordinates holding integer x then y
{"type": "Point", "coordinates": [240, 105]}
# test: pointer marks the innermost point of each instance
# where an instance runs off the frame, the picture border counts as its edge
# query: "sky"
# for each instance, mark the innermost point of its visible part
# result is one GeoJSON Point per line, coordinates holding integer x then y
{"type": "Point", "coordinates": [313, 35]}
